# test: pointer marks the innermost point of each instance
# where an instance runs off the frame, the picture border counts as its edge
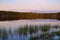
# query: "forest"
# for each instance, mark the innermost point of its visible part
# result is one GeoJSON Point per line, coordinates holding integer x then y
{"type": "Point", "coordinates": [10, 15]}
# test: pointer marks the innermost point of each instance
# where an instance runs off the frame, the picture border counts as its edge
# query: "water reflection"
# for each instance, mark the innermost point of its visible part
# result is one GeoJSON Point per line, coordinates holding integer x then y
{"type": "Point", "coordinates": [17, 23]}
{"type": "Point", "coordinates": [30, 29]}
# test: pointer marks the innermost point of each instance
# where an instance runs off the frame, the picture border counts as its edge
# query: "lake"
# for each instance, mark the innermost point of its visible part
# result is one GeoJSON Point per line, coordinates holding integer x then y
{"type": "Point", "coordinates": [17, 23]}
{"type": "Point", "coordinates": [20, 23]}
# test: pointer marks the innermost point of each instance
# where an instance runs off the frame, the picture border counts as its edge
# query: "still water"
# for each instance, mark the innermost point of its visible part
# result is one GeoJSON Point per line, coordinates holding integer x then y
{"type": "Point", "coordinates": [17, 23]}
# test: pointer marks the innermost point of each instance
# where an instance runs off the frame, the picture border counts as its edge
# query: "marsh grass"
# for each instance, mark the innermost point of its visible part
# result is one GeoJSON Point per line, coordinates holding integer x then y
{"type": "Point", "coordinates": [3, 34]}
{"type": "Point", "coordinates": [44, 33]}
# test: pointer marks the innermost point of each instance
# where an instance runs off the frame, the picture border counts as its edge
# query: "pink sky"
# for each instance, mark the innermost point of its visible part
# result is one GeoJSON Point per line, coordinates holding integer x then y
{"type": "Point", "coordinates": [18, 5]}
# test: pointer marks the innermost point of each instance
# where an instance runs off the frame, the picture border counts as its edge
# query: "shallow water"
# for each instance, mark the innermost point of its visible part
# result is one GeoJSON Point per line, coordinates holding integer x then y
{"type": "Point", "coordinates": [18, 23]}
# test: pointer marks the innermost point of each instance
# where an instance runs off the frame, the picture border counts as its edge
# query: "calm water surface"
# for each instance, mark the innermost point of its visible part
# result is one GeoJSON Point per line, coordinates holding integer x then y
{"type": "Point", "coordinates": [17, 23]}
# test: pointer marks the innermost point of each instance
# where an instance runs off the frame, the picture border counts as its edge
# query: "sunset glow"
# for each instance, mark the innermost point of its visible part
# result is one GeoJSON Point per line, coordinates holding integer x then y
{"type": "Point", "coordinates": [19, 5]}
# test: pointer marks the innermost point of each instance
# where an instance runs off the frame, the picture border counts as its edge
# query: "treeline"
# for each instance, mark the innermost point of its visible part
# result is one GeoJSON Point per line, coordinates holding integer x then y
{"type": "Point", "coordinates": [9, 15]}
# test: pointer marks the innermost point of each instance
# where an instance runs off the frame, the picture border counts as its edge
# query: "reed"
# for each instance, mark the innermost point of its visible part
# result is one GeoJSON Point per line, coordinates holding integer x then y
{"type": "Point", "coordinates": [44, 34]}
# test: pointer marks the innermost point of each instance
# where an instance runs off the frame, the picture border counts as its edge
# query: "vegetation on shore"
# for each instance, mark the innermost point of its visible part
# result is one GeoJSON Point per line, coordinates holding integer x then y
{"type": "Point", "coordinates": [9, 15]}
